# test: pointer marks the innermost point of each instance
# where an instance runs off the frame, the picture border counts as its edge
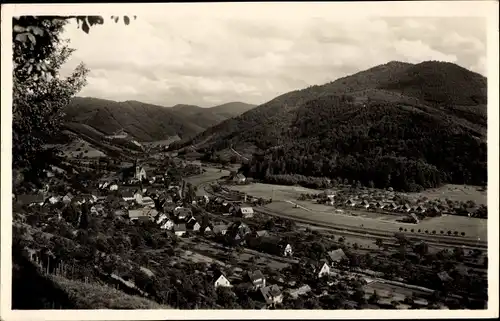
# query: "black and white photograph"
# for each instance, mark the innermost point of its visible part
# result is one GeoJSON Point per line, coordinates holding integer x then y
{"type": "Point", "coordinates": [250, 156]}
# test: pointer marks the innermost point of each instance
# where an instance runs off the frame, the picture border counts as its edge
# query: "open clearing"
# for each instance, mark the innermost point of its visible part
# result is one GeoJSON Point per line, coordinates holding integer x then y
{"type": "Point", "coordinates": [81, 149]}
{"type": "Point", "coordinates": [461, 193]}
{"type": "Point", "coordinates": [281, 192]}
{"type": "Point", "coordinates": [472, 227]}
{"type": "Point", "coordinates": [212, 174]}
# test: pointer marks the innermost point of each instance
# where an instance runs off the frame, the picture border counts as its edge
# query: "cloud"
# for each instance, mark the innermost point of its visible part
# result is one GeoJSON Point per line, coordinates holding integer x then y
{"type": "Point", "coordinates": [206, 60]}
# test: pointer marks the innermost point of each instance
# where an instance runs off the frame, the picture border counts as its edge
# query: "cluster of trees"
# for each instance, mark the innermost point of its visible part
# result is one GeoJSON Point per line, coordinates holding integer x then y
{"type": "Point", "coordinates": [293, 179]}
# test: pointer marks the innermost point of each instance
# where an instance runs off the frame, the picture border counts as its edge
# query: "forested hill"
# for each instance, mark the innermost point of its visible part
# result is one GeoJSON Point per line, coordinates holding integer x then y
{"type": "Point", "coordinates": [400, 125]}
{"type": "Point", "coordinates": [147, 122]}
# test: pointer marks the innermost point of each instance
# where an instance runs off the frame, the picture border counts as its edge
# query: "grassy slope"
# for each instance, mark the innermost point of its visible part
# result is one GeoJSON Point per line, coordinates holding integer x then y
{"type": "Point", "coordinates": [94, 296]}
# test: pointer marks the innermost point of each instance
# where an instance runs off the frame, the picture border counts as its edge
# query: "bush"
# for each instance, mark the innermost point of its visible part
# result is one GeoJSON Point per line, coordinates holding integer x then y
{"type": "Point", "coordinates": [463, 233]}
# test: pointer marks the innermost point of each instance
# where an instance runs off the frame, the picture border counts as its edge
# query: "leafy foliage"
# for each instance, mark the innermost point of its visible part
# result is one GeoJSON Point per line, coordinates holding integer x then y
{"type": "Point", "coordinates": [39, 93]}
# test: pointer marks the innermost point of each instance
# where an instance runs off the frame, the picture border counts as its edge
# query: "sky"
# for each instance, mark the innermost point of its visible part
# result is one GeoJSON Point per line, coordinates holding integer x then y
{"type": "Point", "coordinates": [206, 60]}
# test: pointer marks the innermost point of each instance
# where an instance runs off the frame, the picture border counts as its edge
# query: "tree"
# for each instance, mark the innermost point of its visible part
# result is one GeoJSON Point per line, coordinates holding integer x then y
{"type": "Point", "coordinates": [421, 248]}
{"type": "Point", "coordinates": [39, 93]}
{"type": "Point", "coordinates": [379, 242]}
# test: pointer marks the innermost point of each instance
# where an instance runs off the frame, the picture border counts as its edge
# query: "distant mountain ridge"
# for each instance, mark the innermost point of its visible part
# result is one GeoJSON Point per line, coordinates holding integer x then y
{"type": "Point", "coordinates": [148, 122]}
{"type": "Point", "coordinates": [427, 118]}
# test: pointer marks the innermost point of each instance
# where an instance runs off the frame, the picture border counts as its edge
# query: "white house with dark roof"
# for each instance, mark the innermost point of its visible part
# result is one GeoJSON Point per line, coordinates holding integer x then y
{"type": "Point", "coordinates": [323, 269]}
{"type": "Point", "coordinates": [288, 251]}
{"type": "Point", "coordinates": [221, 280]}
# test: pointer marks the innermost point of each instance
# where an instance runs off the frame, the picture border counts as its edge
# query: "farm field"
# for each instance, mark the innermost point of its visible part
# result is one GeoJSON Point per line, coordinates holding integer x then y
{"type": "Point", "coordinates": [212, 174]}
{"type": "Point", "coordinates": [213, 250]}
{"type": "Point", "coordinates": [472, 227]}
{"type": "Point", "coordinates": [161, 142]}
{"type": "Point", "coordinates": [281, 192]}
{"type": "Point", "coordinates": [79, 148]}
{"type": "Point", "coordinates": [455, 193]}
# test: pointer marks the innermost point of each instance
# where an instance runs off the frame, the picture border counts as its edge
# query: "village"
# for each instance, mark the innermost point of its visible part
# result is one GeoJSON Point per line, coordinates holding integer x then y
{"type": "Point", "coordinates": [249, 258]}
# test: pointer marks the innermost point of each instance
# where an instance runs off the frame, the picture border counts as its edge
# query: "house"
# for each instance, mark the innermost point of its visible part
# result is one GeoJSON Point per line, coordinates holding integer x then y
{"type": "Point", "coordinates": [295, 293]}
{"type": "Point", "coordinates": [420, 209]}
{"type": "Point", "coordinates": [130, 196]}
{"type": "Point", "coordinates": [337, 256]}
{"type": "Point", "coordinates": [262, 233]}
{"type": "Point", "coordinates": [288, 250]}
{"type": "Point", "coordinates": [67, 198]}
{"type": "Point", "coordinates": [257, 278]}
{"type": "Point", "coordinates": [147, 201]}
{"type": "Point", "coordinates": [350, 202]}
{"type": "Point", "coordinates": [434, 211]}
{"type": "Point", "coordinates": [444, 277]}
{"type": "Point", "coordinates": [206, 229]}
{"type": "Point", "coordinates": [239, 179]}
{"type": "Point", "coordinates": [166, 198]}
{"type": "Point", "coordinates": [221, 280]}
{"type": "Point", "coordinates": [323, 269]}
{"type": "Point", "coordinates": [271, 294]}
{"type": "Point", "coordinates": [413, 217]}
{"type": "Point", "coordinates": [220, 229]}
{"type": "Point", "coordinates": [219, 200]}
{"type": "Point", "coordinates": [379, 204]}
{"type": "Point", "coordinates": [103, 185]}
{"type": "Point", "coordinates": [162, 217]}
{"type": "Point", "coordinates": [167, 225]}
{"type": "Point", "coordinates": [392, 206]}
{"type": "Point", "coordinates": [239, 229]}
{"type": "Point", "coordinates": [142, 214]}
{"type": "Point", "coordinates": [97, 209]}
{"type": "Point", "coordinates": [84, 198]}
{"type": "Point", "coordinates": [246, 212]}
{"type": "Point", "coordinates": [113, 187]}
{"type": "Point", "coordinates": [182, 212]}
{"type": "Point", "coordinates": [330, 195]}
{"type": "Point", "coordinates": [365, 204]}
{"type": "Point", "coordinates": [54, 199]}
{"type": "Point", "coordinates": [180, 229]}
{"type": "Point", "coordinates": [193, 225]}
{"type": "Point", "coordinates": [30, 199]}
{"type": "Point", "coordinates": [406, 208]}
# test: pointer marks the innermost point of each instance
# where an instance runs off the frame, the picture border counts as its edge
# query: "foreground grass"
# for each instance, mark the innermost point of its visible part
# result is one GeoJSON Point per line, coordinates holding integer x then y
{"type": "Point", "coordinates": [94, 296]}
